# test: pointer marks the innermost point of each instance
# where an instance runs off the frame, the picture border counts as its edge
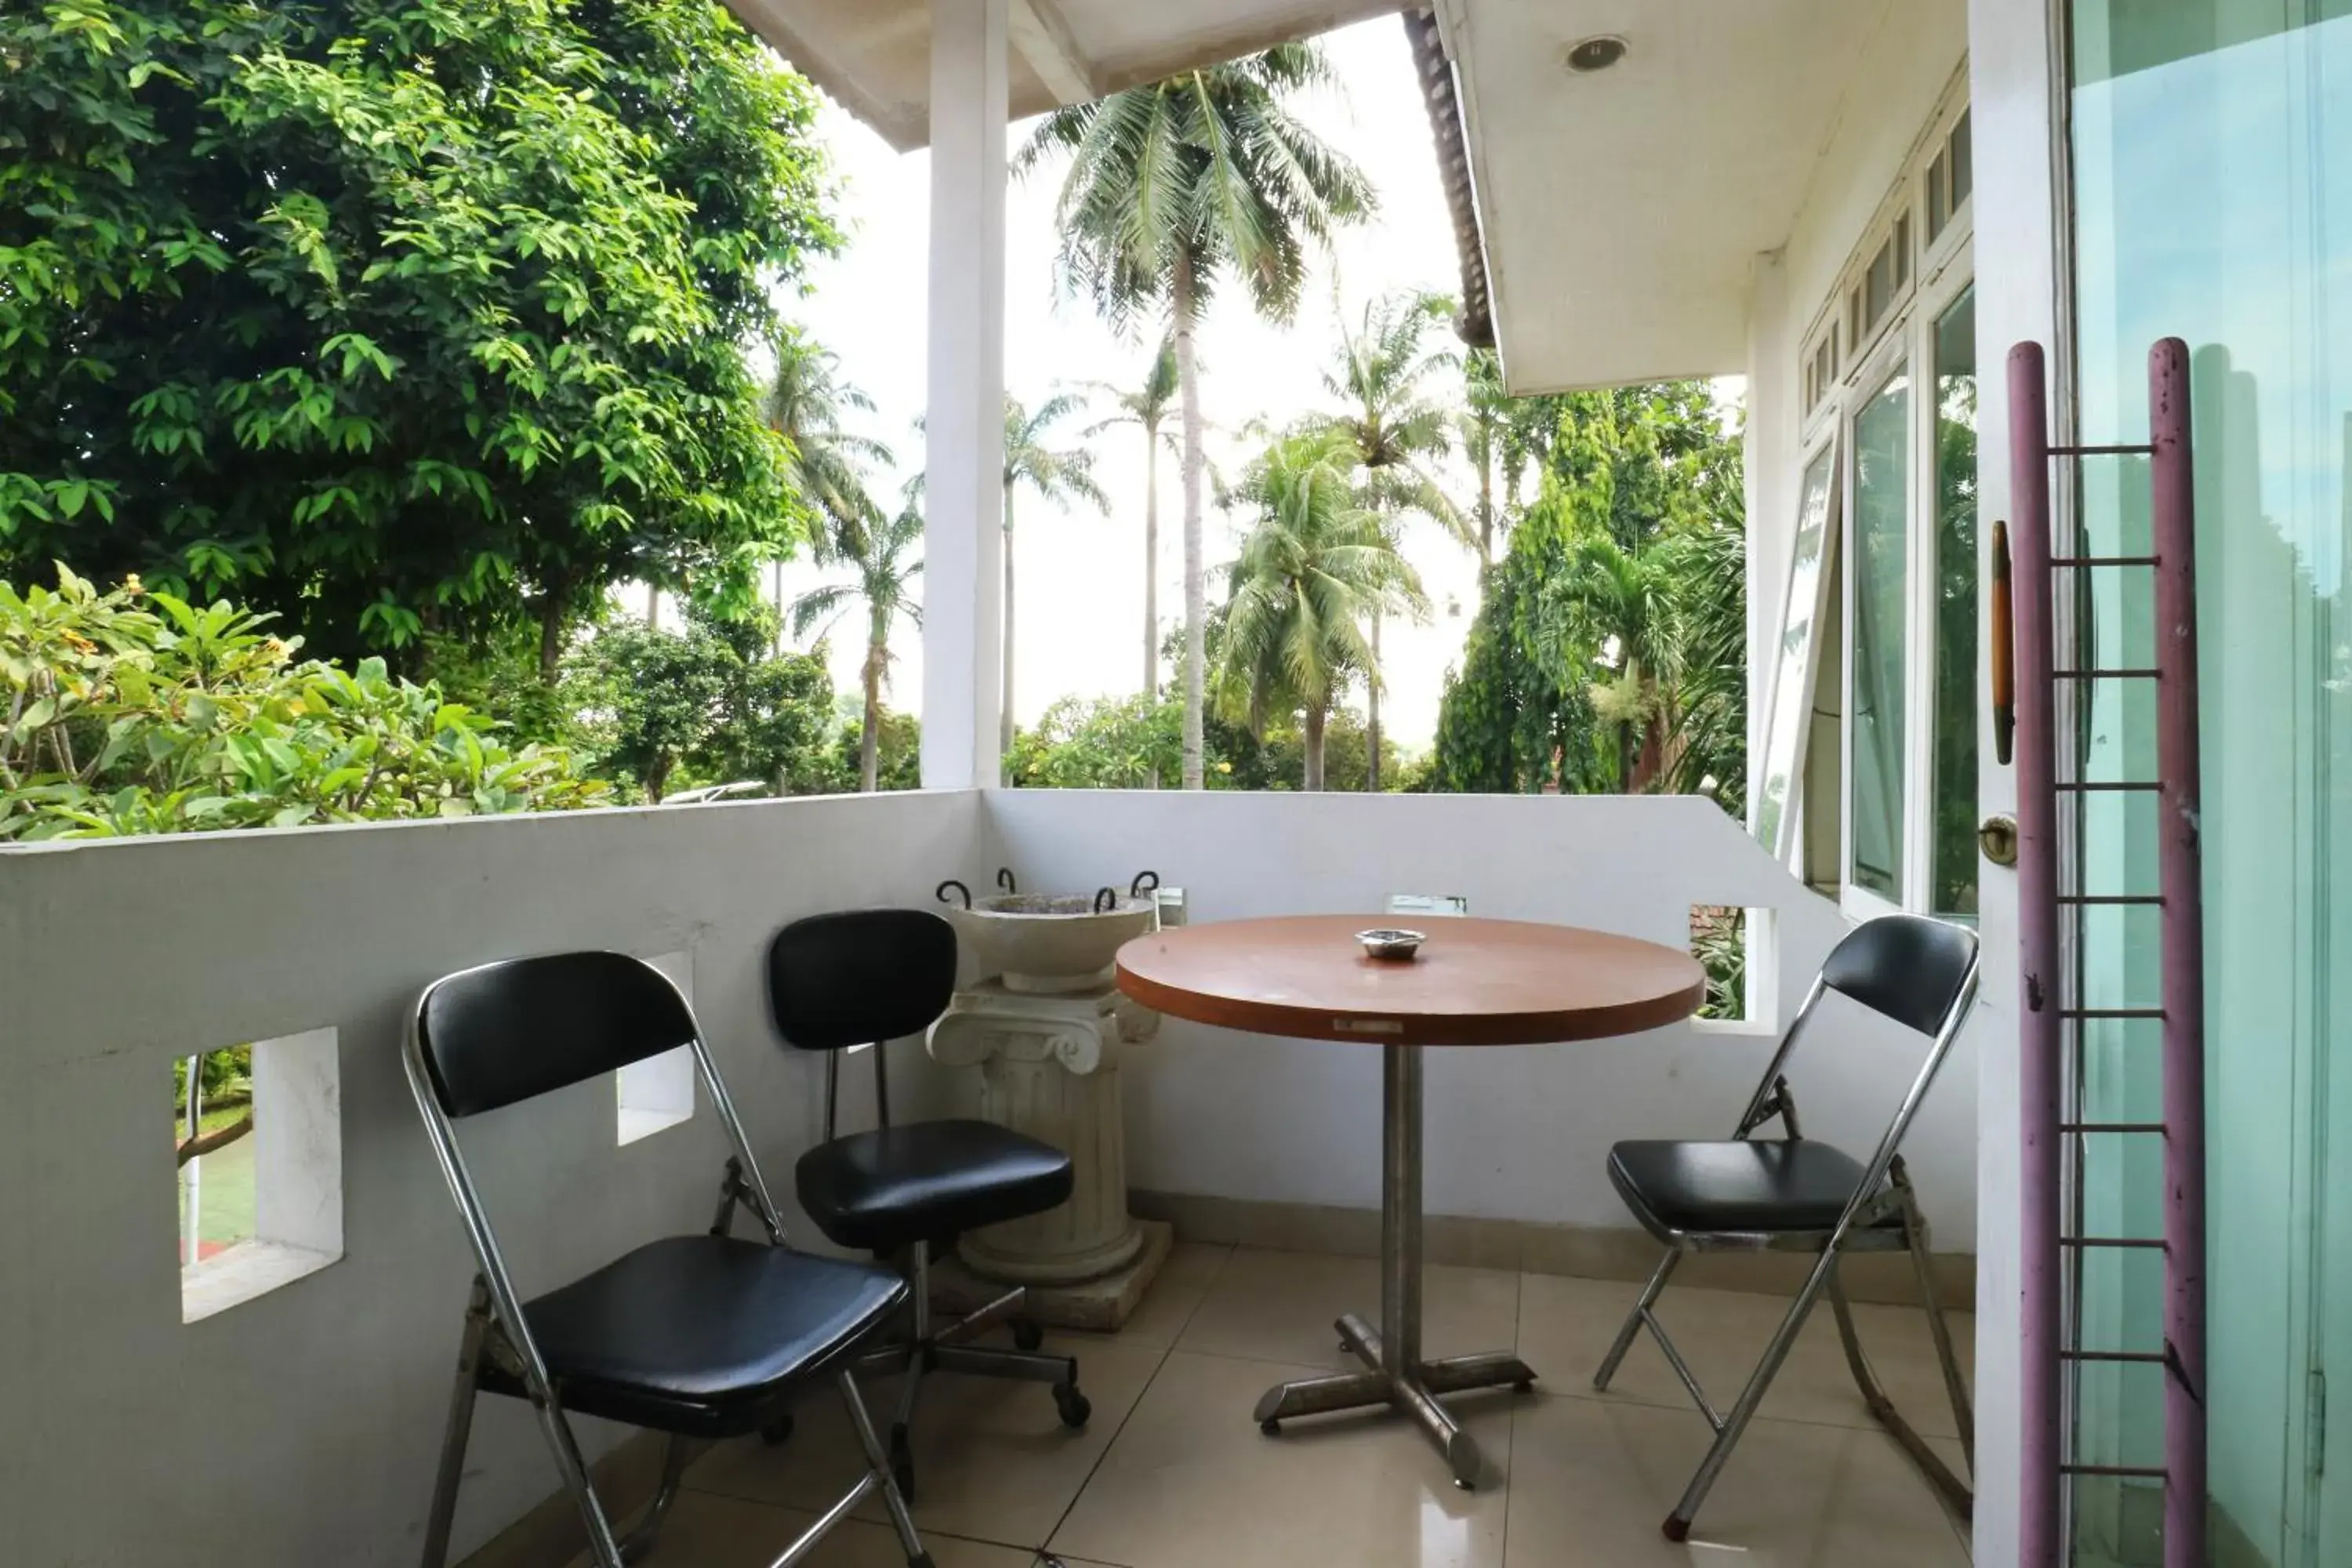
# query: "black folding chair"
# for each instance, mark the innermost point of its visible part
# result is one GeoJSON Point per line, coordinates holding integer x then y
{"type": "Point", "coordinates": [1795, 1194]}
{"type": "Point", "coordinates": [700, 1337]}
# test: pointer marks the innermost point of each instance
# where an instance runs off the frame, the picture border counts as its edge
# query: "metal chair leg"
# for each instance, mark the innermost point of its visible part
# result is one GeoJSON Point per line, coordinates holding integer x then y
{"type": "Point", "coordinates": [1883, 1410]}
{"type": "Point", "coordinates": [1956, 1385]}
{"type": "Point", "coordinates": [878, 1464]}
{"type": "Point", "coordinates": [677, 1451]}
{"type": "Point", "coordinates": [459, 1429]}
{"type": "Point", "coordinates": [1727, 1438]}
{"type": "Point", "coordinates": [1624, 1341]}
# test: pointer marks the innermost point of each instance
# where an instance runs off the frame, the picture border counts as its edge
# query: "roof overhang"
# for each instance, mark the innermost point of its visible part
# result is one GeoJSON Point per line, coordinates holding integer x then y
{"type": "Point", "coordinates": [873, 57]}
{"type": "Point", "coordinates": [1622, 211]}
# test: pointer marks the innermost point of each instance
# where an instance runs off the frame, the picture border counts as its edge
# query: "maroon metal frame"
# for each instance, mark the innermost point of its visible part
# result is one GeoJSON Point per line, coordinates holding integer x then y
{"type": "Point", "coordinates": [2045, 1010]}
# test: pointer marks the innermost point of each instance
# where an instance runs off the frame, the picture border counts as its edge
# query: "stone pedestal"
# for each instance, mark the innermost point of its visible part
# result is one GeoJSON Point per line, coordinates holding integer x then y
{"type": "Point", "coordinates": [1049, 1066]}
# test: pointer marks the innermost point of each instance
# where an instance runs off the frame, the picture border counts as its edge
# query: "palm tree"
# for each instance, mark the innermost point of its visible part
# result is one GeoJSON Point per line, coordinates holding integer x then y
{"type": "Point", "coordinates": [1056, 476]}
{"type": "Point", "coordinates": [876, 551]}
{"type": "Point", "coordinates": [1395, 428]}
{"type": "Point", "coordinates": [1147, 407]}
{"type": "Point", "coordinates": [1171, 187]}
{"type": "Point", "coordinates": [1314, 569]}
{"type": "Point", "coordinates": [1614, 601]}
{"type": "Point", "coordinates": [1500, 435]}
{"type": "Point", "coordinates": [805, 404]}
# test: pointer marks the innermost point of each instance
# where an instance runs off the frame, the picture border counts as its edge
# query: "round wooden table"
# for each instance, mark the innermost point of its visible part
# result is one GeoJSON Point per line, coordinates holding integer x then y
{"type": "Point", "coordinates": [1473, 982]}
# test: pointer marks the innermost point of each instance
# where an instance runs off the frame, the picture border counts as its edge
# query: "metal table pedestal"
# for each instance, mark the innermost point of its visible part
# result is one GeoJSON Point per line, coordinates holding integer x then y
{"type": "Point", "coordinates": [1395, 1376]}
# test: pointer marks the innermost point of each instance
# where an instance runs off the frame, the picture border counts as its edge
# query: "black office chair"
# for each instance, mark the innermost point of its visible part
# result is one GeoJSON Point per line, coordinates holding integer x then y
{"type": "Point", "coordinates": [865, 978]}
{"type": "Point", "coordinates": [1794, 1194]}
{"type": "Point", "coordinates": [701, 1337]}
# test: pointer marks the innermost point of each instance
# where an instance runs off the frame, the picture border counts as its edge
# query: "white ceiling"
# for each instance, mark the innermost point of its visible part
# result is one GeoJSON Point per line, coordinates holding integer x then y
{"type": "Point", "coordinates": [873, 55]}
{"type": "Point", "coordinates": [1622, 210]}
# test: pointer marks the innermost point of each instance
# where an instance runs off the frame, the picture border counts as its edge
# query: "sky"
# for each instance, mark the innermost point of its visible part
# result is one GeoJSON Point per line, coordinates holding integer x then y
{"type": "Point", "coordinates": [1080, 575]}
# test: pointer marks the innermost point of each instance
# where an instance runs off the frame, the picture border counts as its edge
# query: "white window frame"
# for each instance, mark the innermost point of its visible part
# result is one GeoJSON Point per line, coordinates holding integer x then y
{"type": "Point", "coordinates": [1940, 271]}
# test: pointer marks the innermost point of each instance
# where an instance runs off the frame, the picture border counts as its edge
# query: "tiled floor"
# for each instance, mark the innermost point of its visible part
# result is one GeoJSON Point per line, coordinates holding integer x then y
{"type": "Point", "coordinates": [1172, 1473]}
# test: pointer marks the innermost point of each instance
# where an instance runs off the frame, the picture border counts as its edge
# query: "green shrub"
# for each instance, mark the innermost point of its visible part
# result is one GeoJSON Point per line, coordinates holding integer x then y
{"type": "Point", "coordinates": [136, 713]}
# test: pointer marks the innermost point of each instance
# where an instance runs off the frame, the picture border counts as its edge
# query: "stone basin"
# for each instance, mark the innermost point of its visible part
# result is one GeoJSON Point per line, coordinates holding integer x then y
{"type": "Point", "coordinates": [1050, 943]}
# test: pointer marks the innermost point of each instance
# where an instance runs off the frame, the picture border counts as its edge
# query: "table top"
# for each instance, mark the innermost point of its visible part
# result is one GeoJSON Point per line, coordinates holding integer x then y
{"type": "Point", "coordinates": [1475, 982]}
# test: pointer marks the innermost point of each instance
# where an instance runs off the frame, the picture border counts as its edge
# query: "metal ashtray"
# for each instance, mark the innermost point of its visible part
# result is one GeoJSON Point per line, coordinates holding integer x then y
{"type": "Point", "coordinates": [1396, 944]}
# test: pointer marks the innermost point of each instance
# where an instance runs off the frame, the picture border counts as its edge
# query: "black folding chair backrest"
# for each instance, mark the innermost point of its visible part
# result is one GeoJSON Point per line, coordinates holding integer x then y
{"type": "Point", "coordinates": [860, 977]}
{"type": "Point", "coordinates": [511, 1031]}
{"type": "Point", "coordinates": [1907, 967]}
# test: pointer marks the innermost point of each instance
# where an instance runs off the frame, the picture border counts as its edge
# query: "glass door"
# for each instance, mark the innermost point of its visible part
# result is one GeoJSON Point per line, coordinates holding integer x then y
{"type": "Point", "coordinates": [2211, 145]}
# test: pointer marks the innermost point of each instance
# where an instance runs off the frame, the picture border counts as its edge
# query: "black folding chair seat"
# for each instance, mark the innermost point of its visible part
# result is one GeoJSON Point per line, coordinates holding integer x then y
{"type": "Point", "coordinates": [1777, 1185]}
{"type": "Point", "coordinates": [927, 1181]}
{"type": "Point", "coordinates": [703, 1335]}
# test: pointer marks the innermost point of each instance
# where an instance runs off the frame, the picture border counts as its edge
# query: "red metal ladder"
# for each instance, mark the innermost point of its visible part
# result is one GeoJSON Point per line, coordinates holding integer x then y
{"type": "Point", "coordinates": [2049, 810]}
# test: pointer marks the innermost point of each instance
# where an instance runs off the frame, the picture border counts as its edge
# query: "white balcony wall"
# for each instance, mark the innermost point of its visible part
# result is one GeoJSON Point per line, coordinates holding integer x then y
{"type": "Point", "coordinates": [1517, 1133]}
{"type": "Point", "coordinates": [300, 1428]}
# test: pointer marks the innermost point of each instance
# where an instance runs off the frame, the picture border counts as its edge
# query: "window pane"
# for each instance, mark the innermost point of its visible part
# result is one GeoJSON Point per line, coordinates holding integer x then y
{"type": "Point", "coordinates": [1955, 799]}
{"type": "Point", "coordinates": [1882, 434]}
{"type": "Point", "coordinates": [1792, 688]}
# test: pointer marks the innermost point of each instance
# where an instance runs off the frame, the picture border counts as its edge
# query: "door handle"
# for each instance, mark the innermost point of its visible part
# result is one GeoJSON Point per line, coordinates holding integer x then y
{"type": "Point", "coordinates": [1997, 836]}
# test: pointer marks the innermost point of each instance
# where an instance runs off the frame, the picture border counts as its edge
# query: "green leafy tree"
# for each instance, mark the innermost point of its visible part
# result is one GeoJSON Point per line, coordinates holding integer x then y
{"type": "Point", "coordinates": [1315, 572]}
{"type": "Point", "coordinates": [396, 317]}
{"type": "Point", "coordinates": [1059, 474]}
{"type": "Point", "coordinates": [1500, 435]}
{"type": "Point", "coordinates": [1172, 188]}
{"type": "Point", "coordinates": [1147, 407]}
{"type": "Point", "coordinates": [808, 403]}
{"type": "Point", "coordinates": [1398, 429]}
{"type": "Point", "coordinates": [131, 712]}
{"type": "Point", "coordinates": [885, 567]}
{"type": "Point", "coordinates": [708, 704]}
{"type": "Point", "coordinates": [1611, 650]}
{"type": "Point", "coordinates": [1102, 742]}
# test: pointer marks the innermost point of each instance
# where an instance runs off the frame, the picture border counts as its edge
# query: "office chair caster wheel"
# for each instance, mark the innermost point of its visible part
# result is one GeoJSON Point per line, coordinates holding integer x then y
{"type": "Point", "coordinates": [1073, 1404]}
{"type": "Point", "coordinates": [1027, 1335]}
{"type": "Point", "coordinates": [777, 1433]}
{"type": "Point", "coordinates": [1271, 1428]}
{"type": "Point", "coordinates": [902, 1463]}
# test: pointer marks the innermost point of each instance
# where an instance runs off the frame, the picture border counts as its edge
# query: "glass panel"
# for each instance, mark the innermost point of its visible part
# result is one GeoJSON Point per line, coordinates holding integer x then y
{"type": "Point", "coordinates": [2212, 157]}
{"type": "Point", "coordinates": [1882, 477]}
{"type": "Point", "coordinates": [1792, 676]}
{"type": "Point", "coordinates": [1963, 163]}
{"type": "Point", "coordinates": [1954, 802]}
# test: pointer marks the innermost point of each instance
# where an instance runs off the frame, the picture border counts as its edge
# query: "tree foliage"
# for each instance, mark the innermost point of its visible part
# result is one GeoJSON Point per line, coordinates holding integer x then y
{"type": "Point", "coordinates": [1172, 189]}
{"type": "Point", "coordinates": [1611, 650]}
{"type": "Point", "coordinates": [1316, 570]}
{"type": "Point", "coordinates": [131, 712]}
{"type": "Point", "coordinates": [662, 711]}
{"type": "Point", "coordinates": [395, 316]}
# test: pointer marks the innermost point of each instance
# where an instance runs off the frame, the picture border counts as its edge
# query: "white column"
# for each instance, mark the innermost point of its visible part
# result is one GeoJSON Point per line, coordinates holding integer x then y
{"type": "Point", "coordinates": [2011, 49]}
{"type": "Point", "coordinates": [963, 534]}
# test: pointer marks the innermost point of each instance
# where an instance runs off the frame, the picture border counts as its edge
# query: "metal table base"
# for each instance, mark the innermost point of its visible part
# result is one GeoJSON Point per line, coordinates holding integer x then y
{"type": "Point", "coordinates": [1395, 1376]}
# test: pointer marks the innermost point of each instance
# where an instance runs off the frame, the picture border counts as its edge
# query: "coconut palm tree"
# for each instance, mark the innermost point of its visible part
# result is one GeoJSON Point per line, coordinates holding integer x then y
{"type": "Point", "coordinates": [1060, 475]}
{"type": "Point", "coordinates": [806, 404]}
{"type": "Point", "coordinates": [1500, 435]}
{"type": "Point", "coordinates": [1170, 189]}
{"type": "Point", "coordinates": [876, 551]}
{"type": "Point", "coordinates": [1147, 407]}
{"type": "Point", "coordinates": [1315, 569]}
{"type": "Point", "coordinates": [1396, 427]}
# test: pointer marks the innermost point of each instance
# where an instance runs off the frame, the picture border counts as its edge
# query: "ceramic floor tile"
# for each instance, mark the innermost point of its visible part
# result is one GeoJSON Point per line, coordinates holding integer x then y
{"type": "Point", "coordinates": [1566, 1326]}
{"type": "Point", "coordinates": [1280, 1306]}
{"type": "Point", "coordinates": [992, 1462]}
{"type": "Point", "coordinates": [705, 1530]}
{"type": "Point", "coordinates": [1191, 1482]}
{"type": "Point", "coordinates": [1593, 1480]}
{"type": "Point", "coordinates": [1192, 1267]}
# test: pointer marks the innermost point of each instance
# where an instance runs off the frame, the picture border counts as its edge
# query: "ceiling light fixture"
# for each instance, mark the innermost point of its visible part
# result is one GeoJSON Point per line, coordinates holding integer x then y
{"type": "Point", "coordinates": [1596, 54]}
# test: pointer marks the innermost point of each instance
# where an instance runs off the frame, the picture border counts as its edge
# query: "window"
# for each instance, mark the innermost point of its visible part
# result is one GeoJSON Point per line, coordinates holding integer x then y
{"type": "Point", "coordinates": [1953, 891]}
{"type": "Point", "coordinates": [1868, 780]}
{"type": "Point", "coordinates": [1879, 553]}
